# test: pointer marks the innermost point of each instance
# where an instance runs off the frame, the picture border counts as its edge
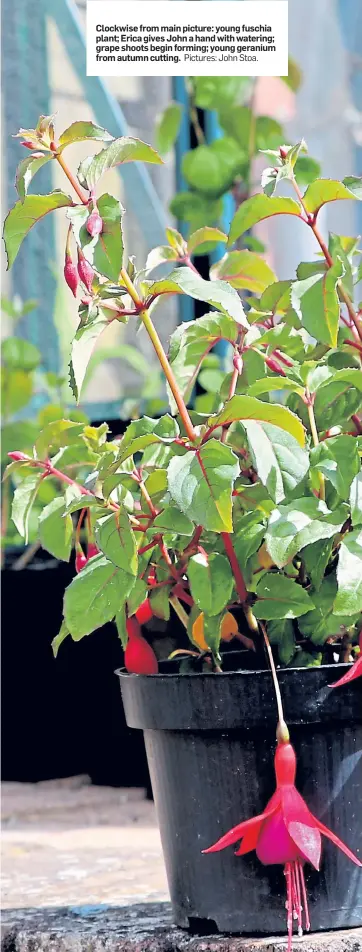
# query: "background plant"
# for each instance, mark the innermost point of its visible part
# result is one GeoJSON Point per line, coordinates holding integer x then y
{"type": "Point", "coordinates": [252, 510]}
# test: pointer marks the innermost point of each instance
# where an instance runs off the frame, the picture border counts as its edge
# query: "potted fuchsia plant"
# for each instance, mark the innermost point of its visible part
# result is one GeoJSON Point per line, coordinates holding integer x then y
{"type": "Point", "coordinates": [245, 523]}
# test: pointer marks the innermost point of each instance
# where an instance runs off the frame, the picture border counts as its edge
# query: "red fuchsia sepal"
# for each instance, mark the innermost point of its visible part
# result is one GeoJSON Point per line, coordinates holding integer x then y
{"type": "Point", "coordinates": [80, 561]}
{"type": "Point", "coordinates": [273, 365]}
{"type": "Point", "coordinates": [27, 144]}
{"type": "Point", "coordinates": [19, 457]}
{"type": "Point", "coordinates": [286, 833]}
{"type": "Point", "coordinates": [139, 657]}
{"type": "Point", "coordinates": [71, 274]}
{"type": "Point", "coordinates": [144, 612]}
{"type": "Point", "coordinates": [92, 550]}
{"type": "Point", "coordinates": [354, 672]}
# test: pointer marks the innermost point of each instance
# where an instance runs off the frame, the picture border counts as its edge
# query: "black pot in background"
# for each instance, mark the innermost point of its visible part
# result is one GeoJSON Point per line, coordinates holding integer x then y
{"type": "Point", "coordinates": [210, 742]}
{"type": "Point", "coordinates": [60, 717]}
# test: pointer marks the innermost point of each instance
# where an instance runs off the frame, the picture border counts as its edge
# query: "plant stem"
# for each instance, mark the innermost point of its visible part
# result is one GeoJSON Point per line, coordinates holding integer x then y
{"type": "Point", "coordinates": [26, 556]}
{"type": "Point", "coordinates": [235, 567]}
{"type": "Point", "coordinates": [310, 220]}
{"type": "Point", "coordinates": [196, 126]}
{"type": "Point", "coordinates": [315, 438]}
{"type": "Point", "coordinates": [147, 499]}
{"type": "Point", "coordinates": [282, 731]}
{"type": "Point", "coordinates": [180, 611]}
{"type": "Point", "coordinates": [71, 178]}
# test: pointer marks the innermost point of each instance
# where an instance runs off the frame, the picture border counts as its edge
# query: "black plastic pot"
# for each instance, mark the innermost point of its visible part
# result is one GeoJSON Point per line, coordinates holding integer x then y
{"type": "Point", "coordinates": [210, 742]}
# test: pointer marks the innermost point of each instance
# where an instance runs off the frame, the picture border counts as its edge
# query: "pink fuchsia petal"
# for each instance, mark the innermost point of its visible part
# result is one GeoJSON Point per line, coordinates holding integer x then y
{"type": "Point", "coordinates": [237, 832]}
{"type": "Point", "coordinates": [337, 842]}
{"type": "Point", "coordinates": [274, 843]}
{"type": "Point", "coordinates": [354, 672]}
{"type": "Point", "coordinates": [308, 841]}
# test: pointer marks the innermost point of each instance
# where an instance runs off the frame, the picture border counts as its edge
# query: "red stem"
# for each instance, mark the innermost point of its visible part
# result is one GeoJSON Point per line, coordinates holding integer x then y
{"type": "Point", "coordinates": [238, 575]}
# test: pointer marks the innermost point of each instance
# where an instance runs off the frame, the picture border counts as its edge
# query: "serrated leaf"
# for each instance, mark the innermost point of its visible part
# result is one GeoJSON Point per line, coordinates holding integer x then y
{"type": "Point", "coordinates": [115, 538]}
{"type": "Point", "coordinates": [270, 384]}
{"type": "Point", "coordinates": [95, 596]}
{"type": "Point", "coordinates": [56, 434]}
{"type": "Point", "coordinates": [256, 209]}
{"type": "Point", "coordinates": [338, 460]}
{"type": "Point", "coordinates": [124, 149]}
{"type": "Point", "coordinates": [167, 127]}
{"type": "Point", "coordinates": [326, 190]}
{"type": "Point", "coordinates": [280, 597]}
{"type": "Point", "coordinates": [172, 520]}
{"type": "Point", "coordinates": [83, 344]}
{"type": "Point", "coordinates": [205, 236]}
{"type": "Point", "coordinates": [56, 529]}
{"type": "Point", "coordinates": [25, 214]}
{"type": "Point", "coordinates": [201, 484]}
{"type": "Point", "coordinates": [190, 343]}
{"type": "Point", "coordinates": [300, 523]}
{"type": "Point", "coordinates": [24, 497]}
{"type": "Point", "coordinates": [217, 293]}
{"type": "Point", "coordinates": [355, 500]}
{"type": "Point", "coordinates": [278, 458]}
{"type": "Point", "coordinates": [159, 256]}
{"type": "Point", "coordinates": [249, 408]}
{"type": "Point", "coordinates": [349, 575]}
{"type": "Point", "coordinates": [82, 131]}
{"type": "Point", "coordinates": [244, 270]}
{"type": "Point", "coordinates": [27, 169]}
{"type": "Point", "coordinates": [144, 432]}
{"type": "Point", "coordinates": [316, 302]}
{"type": "Point", "coordinates": [211, 581]}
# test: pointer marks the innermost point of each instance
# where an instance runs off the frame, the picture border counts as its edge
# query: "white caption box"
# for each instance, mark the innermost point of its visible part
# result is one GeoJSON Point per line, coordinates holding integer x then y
{"type": "Point", "coordinates": [225, 38]}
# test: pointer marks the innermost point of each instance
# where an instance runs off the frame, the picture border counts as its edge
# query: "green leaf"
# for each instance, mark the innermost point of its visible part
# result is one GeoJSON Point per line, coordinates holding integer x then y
{"type": "Point", "coordinates": [315, 300]}
{"type": "Point", "coordinates": [94, 596]}
{"type": "Point", "coordinates": [349, 575]}
{"type": "Point", "coordinates": [20, 354]}
{"type": "Point", "coordinates": [115, 538]}
{"type": "Point", "coordinates": [205, 236]}
{"type": "Point", "coordinates": [190, 343]}
{"type": "Point", "coordinates": [249, 408]}
{"type": "Point", "coordinates": [58, 640]}
{"type": "Point", "coordinates": [273, 383]}
{"type": "Point", "coordinates": [281, 633]}
{"type": "Point", "coordinates": [19, 436]}
{"type": "Point", "coordinates": [315, 559]}
{"type": "Point", "coordinates": [280, 597]}
{"type": "Point", "coordinates": [211, 581]}
{"type": "Point", "coordinates": [212, 632]}
{"type": "Point", "coordinates": [172, 520]}
{"type": "Point", "coordinates": [338, 460]}
{"type": "Point", "coordinates": [24, 497]}
{"type": "Point", "coordinates": [83, 502]}
{"type": "Point", "coordinates": [83, 344]}
{"type": "Point", "coordinates": [244, 270]}
{"type": "Point", "coordinates": [24, 215]}
{"type": "Point", "coordinates": [201, 484]}
{"type": "Point", "coordinates": [144, 432]}
{"type": "Point", "coordinates": [218, 92]}
{"type": "Point", "coordinates": [300, 523]}
{"type": "Point", "coordinates": [338, 395]}
{"type": "Point", "coordinates": [16, 390]}
{"type": "Point", "coordinates": [217, 293]}
{"type": "Point", "coordinates": [136, 596]}
{"type": "Point", "coordinates": [279, 460]}
{"type": "Point", "coordinates": [211, 169]}
{"type": "Point", "coordinates": [323, 622]}
{"type": "Point", "coordinates": [121, 620]}
{"type": "Point", "coordinates": [124, 149]}
{"type": "Point", "coordinates": [57, 434]}
{"type": "Point", "coordinates": [80, 132]}
{"type": "Point", "coordinates": [159, 602]}
{"type": "Point", "coordinates": [105, 251]}
{"type": "Point", "coordinates": [197, 209]}
{"type": "Point", "coordinates": [306, 170]}
{"type": "Point", "coordinates": [326, 190]}
{"type": "Point", "coordinates": [356, 500]}
{"type": "Point", "coordinates": [160, 255]}
{"type": "Point", "coordinates": [27, 169]}
{"type": "Point", "coordinates": [256, 209]}
{"type": "Point", "coordinates": [167, 127]}
{"type": "Point", "coordinates": [56, 529]}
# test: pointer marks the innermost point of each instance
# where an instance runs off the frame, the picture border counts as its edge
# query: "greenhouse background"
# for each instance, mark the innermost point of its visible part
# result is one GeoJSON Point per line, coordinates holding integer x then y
{"type": "Point", "coordinates": [44, 72]}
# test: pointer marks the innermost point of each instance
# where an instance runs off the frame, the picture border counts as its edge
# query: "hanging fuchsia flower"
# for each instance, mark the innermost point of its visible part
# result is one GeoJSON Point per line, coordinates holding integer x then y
{"type": "Point", "coordinates": [287, 833]}
{"type": "Point", "coordinates": [354, 672]}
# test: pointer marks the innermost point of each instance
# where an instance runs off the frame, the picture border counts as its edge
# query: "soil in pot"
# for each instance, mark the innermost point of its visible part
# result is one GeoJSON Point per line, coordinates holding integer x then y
{"type": "Point", "coordinates": [210, 743]}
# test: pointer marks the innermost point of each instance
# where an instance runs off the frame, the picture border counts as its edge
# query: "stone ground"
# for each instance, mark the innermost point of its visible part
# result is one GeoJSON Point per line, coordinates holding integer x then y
{"type": "Point", "coordinates": [67, 843]}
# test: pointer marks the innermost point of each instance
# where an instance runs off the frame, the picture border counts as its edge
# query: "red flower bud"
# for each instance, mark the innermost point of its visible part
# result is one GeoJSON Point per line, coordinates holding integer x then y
{"type": "Point", "coordinates": [144, 613]}
{"type": "Point", "coordinates": [285, 360]}
{"type": "Point", "coordinates": [18, 457]}
{"type": "Point", "coordinates": [272, 364]}
{"type": "Point", "coordinates": [92, 549]}
{"type": "Point", "coordinates": [283, 152]}
{"type": "Point", "coordinates": [238, 363]}
{"type": "Point", "coordinates": [139, 657]}
{"type": "Point", "coordinates": [94, 224]}
{"type": "Point", "coordinates": [80, 561]}
{"type": "Point", "coordinates": [71, 274]}
{"type": "Point", "coordinates": [85, 271]}
{"type": "Point", "coordinates": [27, 144]}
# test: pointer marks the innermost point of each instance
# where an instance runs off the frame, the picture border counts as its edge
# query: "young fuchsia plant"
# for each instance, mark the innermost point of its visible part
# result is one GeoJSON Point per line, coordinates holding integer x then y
{"type": "Point", "coordinates": [247, 510]}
